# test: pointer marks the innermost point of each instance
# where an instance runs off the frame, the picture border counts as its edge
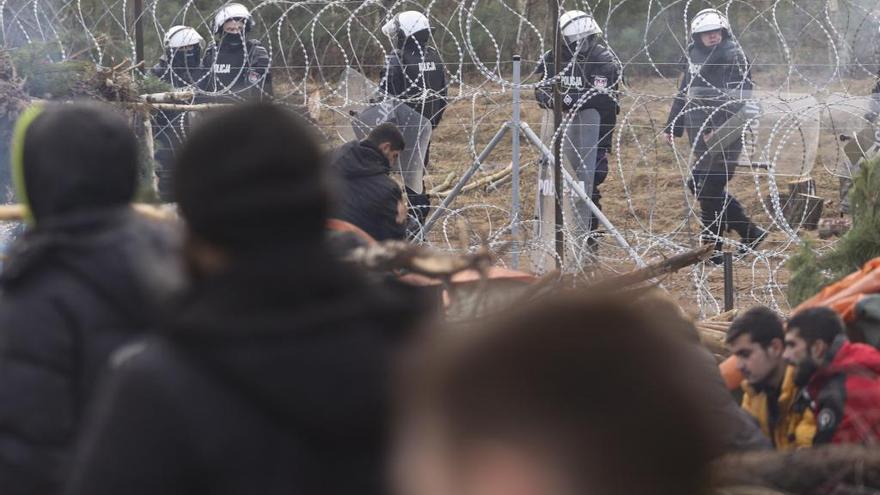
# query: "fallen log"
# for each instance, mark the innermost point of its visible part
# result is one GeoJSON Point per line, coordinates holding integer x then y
{"type": "Point", "coordinates": [818, 469]}
{"type": "Point", "coordinates": [169, 97]}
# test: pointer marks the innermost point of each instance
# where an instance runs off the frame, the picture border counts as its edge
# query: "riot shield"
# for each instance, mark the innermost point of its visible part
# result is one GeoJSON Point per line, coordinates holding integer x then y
{"type": "Point", "coordinates": [784, 137]}
{"type": "Point", "coordinates": [732, 129]}
{"type": "Point", "coordinates": [545, 204]}
{"type": "Point", "coordinates": [416, 132]}
{"type": "Point", "coordinates": [357, 93]}
{"type": "Point", "coordinates": [579, 144]}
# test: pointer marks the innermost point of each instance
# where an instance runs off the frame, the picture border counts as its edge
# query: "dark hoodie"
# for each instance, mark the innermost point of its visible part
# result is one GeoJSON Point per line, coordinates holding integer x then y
{"type": "Point", "coordinates": [846, 395]}
{"type": "Point", "coordinates": [367, 196]}
{"type": "Point", "coordinates": [272, 379]}
{"type": "Point", "coordinates": [86, 278]}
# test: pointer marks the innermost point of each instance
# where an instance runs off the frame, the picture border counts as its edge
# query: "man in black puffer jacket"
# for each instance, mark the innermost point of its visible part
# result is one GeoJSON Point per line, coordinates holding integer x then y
{"type": "Point", "coordinates": [368, 197]}
{"type": "Point", "coordinates": [87, 276]}
{"type": "Point", "coordinates": [272, 376]}
{"type": "Point", "coordinates": [716, 82]}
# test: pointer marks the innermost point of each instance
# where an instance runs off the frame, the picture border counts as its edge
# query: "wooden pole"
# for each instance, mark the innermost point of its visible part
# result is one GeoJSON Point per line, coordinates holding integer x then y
{"type": "Point", "coordinates": [138, 7]}
{"type": "Point", "coordinates": [557, 141]}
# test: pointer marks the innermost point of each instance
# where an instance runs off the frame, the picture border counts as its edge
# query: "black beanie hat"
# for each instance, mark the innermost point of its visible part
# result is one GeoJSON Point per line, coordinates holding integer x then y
{"type": "Point", "coordinates": [76, 157]}
{"type": "Point", "coordinates": [251, 177]}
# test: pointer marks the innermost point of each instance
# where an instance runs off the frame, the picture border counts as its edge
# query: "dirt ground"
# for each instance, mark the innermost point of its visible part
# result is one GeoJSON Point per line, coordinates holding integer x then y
{"type": "Point", "coordinates": [644, 195]}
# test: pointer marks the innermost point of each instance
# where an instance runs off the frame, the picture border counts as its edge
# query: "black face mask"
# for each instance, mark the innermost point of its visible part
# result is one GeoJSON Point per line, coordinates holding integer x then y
{"type": "Point", "coordinates": [805, 370]}
{"type": "Point", "coordinates": [231, 39]}
{"type": "Point", "coordinates": [186, 59]}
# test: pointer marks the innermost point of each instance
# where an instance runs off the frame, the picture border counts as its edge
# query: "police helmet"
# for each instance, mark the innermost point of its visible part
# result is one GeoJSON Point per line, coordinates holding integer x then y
{"type": "Point", "coordinates": [576, 25]}
{"type": "Point", "coordinates": [709, 20]}
{"type": "Point", "coordinates": [406, 24]}
{"type": "Point", "coordinates": [232, 11]}
{"type": "Point", "coordinates": [182, 36]}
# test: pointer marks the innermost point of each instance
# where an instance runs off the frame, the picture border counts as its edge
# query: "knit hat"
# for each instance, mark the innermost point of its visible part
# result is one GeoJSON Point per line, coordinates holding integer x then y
{"type": "Point", "coordinates": [251, 177]}
{"type": "Point", "coordinates": [73, 157]}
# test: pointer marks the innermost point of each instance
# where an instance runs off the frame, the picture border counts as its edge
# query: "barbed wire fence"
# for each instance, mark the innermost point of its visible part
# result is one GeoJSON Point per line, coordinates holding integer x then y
{"type": "Point", "coordinates": [813, 62]}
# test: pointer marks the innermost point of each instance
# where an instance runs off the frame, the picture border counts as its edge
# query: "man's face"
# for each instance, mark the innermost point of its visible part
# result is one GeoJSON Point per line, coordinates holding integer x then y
{"type": "Point", "coordinates": [795, 348]}
{"type": "Point", "coordinates": [390, 154]}
{"type": "Point", "coordinates": [711, 38]}
{"type": "Point", "coordinates": [757, 363]}
{"type": "Point", "coordinates": [234, 26]}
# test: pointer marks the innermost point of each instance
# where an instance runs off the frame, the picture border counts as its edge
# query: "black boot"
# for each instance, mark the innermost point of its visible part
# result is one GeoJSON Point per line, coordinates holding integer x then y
{"type": "Point", "coordinates": [753, 238]}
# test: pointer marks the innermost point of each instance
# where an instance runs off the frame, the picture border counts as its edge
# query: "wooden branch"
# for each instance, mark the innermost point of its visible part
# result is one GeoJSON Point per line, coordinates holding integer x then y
{"type": "Point", "coordinates": [802, 471]}
{"type": "Point", "coordinates": [446, 184]}
{"type": "Point", "coordinates": [169, 97]}
{"type": "Point", "coordinates": [399, 255]}
{"type": "Point", "coordinates": [15, 212]}
{"type": "Point", "coordinates": [177, 107]}
{"type": "Point", "coordinates": [654, 270]}
{"type": "Point", "coordinates": [479, 183]}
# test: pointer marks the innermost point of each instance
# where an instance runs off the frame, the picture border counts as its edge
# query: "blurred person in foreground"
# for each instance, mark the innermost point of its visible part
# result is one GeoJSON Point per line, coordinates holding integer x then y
{"type": "Point", "coordinates": [757, 340]}
{"type": "Point", "coordinates": [88, 275]}
{"type": "Point", "coordinates": [840, 377]}
{"type": "Point", "coordinates": [539, 403]}
{"type": "Point", "coordinates": [271, 377]}
{"type": "Point", "coordinates": [368, 197]}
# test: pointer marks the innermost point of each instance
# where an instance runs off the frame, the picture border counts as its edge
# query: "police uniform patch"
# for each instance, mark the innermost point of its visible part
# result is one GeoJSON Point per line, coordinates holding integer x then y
{"type": "Point", "coordinates": [825, 419]}
{"type": "Point", "coordinates": [600, 82]}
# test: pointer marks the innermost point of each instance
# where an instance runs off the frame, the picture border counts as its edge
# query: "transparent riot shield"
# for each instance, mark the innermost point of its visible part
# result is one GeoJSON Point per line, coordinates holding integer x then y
{"type": "Point", "coordinates": [846, 117]}
{"type": "Point", "coordinates": [579, 143]}
{"type": "Point", "coordinates": [357, 93]}
{"type": "Point", "coordinates": [544, 235]}
{"type": "Point", "coordinates": [784, 136]}
{"type": "Point", "coordinates": [416, 132]}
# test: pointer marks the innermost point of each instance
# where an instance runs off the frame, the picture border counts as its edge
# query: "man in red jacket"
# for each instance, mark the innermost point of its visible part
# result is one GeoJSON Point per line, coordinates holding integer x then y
{"type": "Point", "coordinates": [841, 378]}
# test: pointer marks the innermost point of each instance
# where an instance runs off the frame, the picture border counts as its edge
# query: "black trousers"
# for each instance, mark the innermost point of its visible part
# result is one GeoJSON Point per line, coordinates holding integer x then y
{"type": "Point", "coordinates": [720, 212]}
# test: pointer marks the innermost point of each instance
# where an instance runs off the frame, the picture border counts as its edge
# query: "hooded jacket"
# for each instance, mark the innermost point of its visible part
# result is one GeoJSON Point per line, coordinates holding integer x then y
{"type": "Point", "coordinates": [80, 282]}
{"type": "Point", "coordinates": [720, 74]}
{"type": "Point", "coordinates": [415, 74]}
{"type": "Point", "coordinates": [368, 197]}
{"type": "Point", "coordinates": [791, 423]}
{"type": "Point", "coordinates": [272, 378]}
{"type": "Point", "coordinates": [591, 79]}
{"type": "Point", "coordinates": [846, 394]}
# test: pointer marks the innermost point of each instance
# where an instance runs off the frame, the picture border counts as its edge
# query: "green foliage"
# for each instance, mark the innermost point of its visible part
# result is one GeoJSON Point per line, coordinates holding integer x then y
{"type": "Point", "coordinates": [855, 248]}
{"type": "Point", "coordinates": [151, 84]}
{"type": "Point", "coordinates": [807, 278]}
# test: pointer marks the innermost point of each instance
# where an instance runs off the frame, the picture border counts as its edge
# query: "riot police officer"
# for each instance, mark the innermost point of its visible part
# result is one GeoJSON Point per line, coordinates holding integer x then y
{"type": "Point", "coordinates": [711, 99]}
{"type": "Point", "coordinates": [237, 66]}
{"type": "Point", "coordinates": [589, 79]}
{"type": "Point", "coordinates": [180, 66]}
{"type": "Point", "coordinates": [415, 74]}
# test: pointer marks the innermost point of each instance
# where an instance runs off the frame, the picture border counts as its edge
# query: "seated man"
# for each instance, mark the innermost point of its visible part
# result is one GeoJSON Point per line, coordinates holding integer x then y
{"type": "Point", "coordinates": [368, 198]}
{"type": "Point", "coordinates": [756, 339]}
{"type": "Point", "coordinates": [841, 377]}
